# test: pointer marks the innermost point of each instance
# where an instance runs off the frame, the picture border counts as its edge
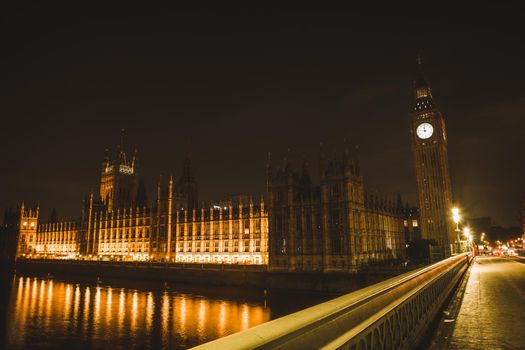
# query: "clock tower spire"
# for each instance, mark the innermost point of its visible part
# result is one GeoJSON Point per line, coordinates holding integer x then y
{"type": "Point", "coordinates": [429, 145]}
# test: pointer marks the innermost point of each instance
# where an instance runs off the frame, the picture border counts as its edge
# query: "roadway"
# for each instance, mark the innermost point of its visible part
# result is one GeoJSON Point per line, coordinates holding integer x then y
{"type": "Point", "coordinates": [492, 312]}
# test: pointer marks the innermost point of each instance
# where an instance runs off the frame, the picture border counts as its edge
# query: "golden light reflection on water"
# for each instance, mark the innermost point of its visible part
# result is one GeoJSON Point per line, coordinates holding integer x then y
{"type": "Point", "coordinates": [96, 313]}
{"type": "Point", "coordinates": [103, 315]}
{"type": "Point", "coordinates": [76, 306]}
{"type": "Point", "coordinates": [121, 310]}
{"type": "Point", "coordinates": [165, 314]}
{"type": "Point", "coordinates": [201, 320]}
{"type": "Point", "coordinates": [109, 302]}
{"type": "Point", "coordinates": [25, 300]}
{"type": "Point", "coordinates": [134, 310]}
{"type": "Point", "coordinates": [33, 297]}
{"type": "Point", "coordinates": [182, 316]}
{"type": "Point", "coordinates": [67, 302]}
{"type": "Point", "coordinates": [245, 317]}
{"type": "Point", "coordinates": [149, 311]}
{"type": "Point", "coordinates": [49, 302]}
{"type": "Point", "coordinates": [222, 319]}
{"type": "Point", "coordinates": [41, 299]}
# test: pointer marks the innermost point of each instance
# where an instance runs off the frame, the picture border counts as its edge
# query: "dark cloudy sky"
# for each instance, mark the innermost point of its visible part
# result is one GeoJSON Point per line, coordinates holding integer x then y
{"type": "Point", "coordinates": [230, 86]}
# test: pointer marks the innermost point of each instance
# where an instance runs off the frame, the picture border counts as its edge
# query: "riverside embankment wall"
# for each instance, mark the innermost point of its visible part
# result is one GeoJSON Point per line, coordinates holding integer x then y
{"type": "Point", "coordinates": [221, 275]}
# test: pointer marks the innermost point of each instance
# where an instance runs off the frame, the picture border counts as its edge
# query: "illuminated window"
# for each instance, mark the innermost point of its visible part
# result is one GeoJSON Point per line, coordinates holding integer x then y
{"type": "Point", "coordinates": [32, 224]}
{"type": "Point", "coordinates": [283, 246]}
{"type": "Point", "coordinates": [405, 223]}
{"type": "Point", "coordinates": [414, 223]}
{"type": "Point", "coordinates": [25, 223]}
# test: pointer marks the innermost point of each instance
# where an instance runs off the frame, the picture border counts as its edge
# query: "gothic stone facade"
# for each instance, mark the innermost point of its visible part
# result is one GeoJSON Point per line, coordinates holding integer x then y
{"type": "Point", "coordinates": [235, 233]}
{"type": "Point", "coordinates": [333, 226]}
{"type": "Point", "coordinates": [429, 144]}
{"type": "Point", "coordinates": [120, 225]}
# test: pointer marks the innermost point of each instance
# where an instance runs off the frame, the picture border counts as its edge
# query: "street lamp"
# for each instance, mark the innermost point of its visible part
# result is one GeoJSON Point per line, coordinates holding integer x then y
{"type": "Point", "coordinates": [455, 214]}
{"type": "Point", "coordinates": [456, 218]}
{"type": "Point", "coordinates": [468, 235]}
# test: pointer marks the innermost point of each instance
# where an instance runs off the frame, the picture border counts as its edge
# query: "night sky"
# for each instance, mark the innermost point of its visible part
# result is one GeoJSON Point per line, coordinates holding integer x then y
{"type": "Point", "coordinates": [229, 86]}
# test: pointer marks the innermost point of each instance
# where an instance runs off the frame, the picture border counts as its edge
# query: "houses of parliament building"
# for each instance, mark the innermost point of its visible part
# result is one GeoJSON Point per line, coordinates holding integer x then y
{"type": "Point", "coordinates": [299, 226]}
{"type": "Point", "coordinates": [295, 226]}
{"type": "Point", "coordinates": [119, 224]}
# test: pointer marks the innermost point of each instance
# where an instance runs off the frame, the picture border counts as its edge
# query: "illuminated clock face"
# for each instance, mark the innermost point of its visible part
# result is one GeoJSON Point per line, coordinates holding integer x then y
{"type": "Point", "coordinates": [424, 130]}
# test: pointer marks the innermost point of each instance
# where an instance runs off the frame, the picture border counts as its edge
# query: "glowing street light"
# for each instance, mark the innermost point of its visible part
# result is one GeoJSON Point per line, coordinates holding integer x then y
{"type": "Point", "coordinates": [468, 235]}
{"type": "Point", "coordinates": [456, 217]}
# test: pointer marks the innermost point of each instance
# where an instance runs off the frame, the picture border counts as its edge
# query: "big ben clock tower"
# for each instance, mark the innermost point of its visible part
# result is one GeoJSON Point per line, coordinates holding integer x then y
{"type": "Point", "coordinates": [429, 143]}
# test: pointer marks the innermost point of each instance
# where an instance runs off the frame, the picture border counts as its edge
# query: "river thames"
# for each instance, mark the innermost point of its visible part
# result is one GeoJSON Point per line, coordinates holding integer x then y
{"type": "Point", "coordinates": [52, 313]}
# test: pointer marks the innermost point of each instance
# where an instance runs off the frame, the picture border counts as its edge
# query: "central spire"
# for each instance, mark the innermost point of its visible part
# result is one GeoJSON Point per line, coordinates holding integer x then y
{"type": "Point", "coordinates": [121, 152]}
{"type": "Point", "coordinates": [187, 170]}
{"type": "Point", "coordinates": [421, 83]}
{"type": "Point", "coordinates": [422, 91]}
{"type": "Point", "coordinates": [122, 134]}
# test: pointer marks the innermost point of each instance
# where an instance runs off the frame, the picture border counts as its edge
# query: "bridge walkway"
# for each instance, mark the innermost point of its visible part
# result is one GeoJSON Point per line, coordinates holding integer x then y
{"type": "Point", "coordinates": [492, 311]}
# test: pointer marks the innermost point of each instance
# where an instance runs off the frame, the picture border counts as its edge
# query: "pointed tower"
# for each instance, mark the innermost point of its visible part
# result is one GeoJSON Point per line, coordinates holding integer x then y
{"type": "Point", "coordinates": [429, 144]}
{"type": "Point", "coordinates": [305, 181]}
{"type": "Point", "coordinates": [269, 172]}
{"type": "Point", "coordinates": [188, 185]}
{"type": "Point", "coordinates": [27, 230]}
{"type": "Point", "coordinates": [119, 179]}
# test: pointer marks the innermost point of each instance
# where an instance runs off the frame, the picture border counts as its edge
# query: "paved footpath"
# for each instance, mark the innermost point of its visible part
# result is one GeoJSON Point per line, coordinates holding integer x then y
{"type": "Point", "coordinates": [492, 313]}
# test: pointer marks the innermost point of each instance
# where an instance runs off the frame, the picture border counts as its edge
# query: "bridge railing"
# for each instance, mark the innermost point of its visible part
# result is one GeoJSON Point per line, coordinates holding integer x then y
{"type": "Point", "coordinates": [393, 314]}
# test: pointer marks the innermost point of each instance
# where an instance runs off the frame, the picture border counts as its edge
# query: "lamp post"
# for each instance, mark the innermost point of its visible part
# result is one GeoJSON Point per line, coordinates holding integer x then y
{"type": "Point", "coordinates": [468, 235]}
{"type": "Point", "coordinates": [456, 218]}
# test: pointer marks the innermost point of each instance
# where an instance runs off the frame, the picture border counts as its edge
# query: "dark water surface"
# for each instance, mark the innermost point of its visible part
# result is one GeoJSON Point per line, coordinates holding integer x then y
{"type": "Point", "coordinates": [56, 313]}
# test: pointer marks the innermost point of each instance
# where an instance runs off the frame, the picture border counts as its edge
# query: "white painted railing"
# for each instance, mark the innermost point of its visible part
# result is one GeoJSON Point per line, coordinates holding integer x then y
{"type": "Point", "coordinates": [393, 314]}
